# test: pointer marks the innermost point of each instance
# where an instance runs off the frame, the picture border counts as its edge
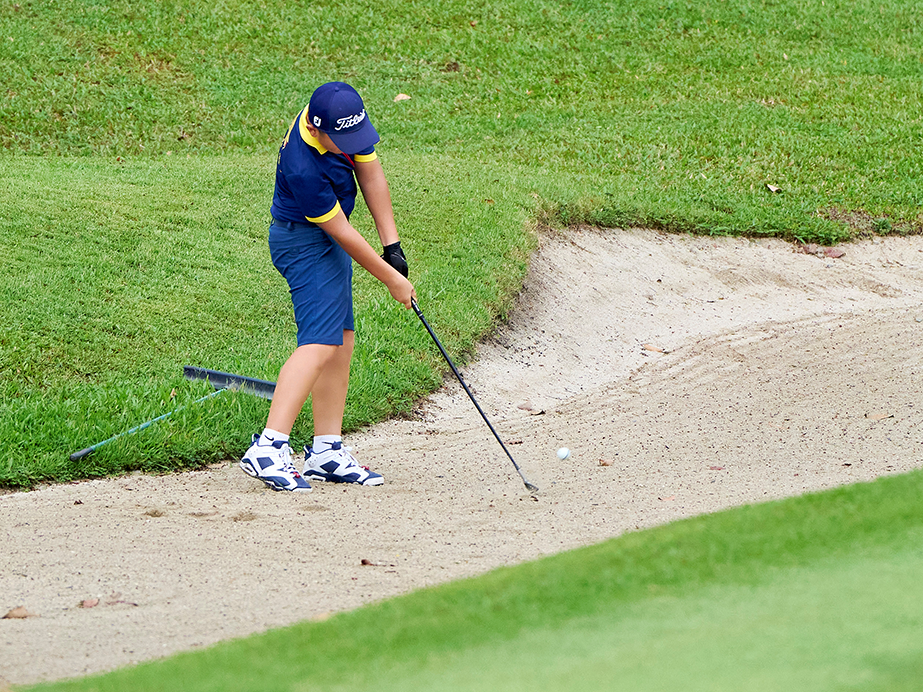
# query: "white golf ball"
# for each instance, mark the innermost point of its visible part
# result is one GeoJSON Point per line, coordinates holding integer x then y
{"type": "Point", "coordinates": [563, 453]}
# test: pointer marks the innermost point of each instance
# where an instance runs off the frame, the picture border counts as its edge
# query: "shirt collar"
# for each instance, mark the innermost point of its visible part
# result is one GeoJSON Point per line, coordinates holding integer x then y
{"type": "Point", "coordinates": [309, 139]}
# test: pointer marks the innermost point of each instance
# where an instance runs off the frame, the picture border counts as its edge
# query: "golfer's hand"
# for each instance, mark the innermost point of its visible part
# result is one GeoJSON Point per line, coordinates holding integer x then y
{"type": "Point", "coordinates": [394, 255]}
{"type": "Point", "coordinates": [402, 291]}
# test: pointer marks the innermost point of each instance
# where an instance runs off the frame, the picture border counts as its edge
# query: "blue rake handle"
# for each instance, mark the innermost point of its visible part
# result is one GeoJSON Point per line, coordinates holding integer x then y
{"type": "Point", "coordinates": [89, 450]}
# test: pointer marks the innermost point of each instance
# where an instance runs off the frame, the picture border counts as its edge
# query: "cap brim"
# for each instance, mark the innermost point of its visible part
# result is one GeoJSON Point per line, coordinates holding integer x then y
{"type": "Point", "coordinates": [357, 140]}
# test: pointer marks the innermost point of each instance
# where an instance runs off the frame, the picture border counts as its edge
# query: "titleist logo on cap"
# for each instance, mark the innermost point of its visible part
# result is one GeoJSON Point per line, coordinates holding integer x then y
{"type": "Point", "coordinates": [350, 121]}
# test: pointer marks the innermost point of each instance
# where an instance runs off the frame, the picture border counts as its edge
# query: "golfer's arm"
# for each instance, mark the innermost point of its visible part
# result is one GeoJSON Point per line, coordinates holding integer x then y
{"type": "Point", "coordinates": [356, 246]}
{"type": "Point", "coordinates": [377, 195]}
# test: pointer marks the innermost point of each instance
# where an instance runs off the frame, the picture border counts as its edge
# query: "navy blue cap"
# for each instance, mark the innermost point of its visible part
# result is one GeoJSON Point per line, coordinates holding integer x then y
{"type": "Point", "coordinates": [336, 109]}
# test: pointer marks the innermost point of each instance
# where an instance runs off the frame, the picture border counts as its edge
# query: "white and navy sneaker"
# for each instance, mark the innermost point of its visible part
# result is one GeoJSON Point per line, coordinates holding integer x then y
{"type": "Point", "coordinates": [272, 464]}
{"type": "Point", "coordinates": [337, 465]}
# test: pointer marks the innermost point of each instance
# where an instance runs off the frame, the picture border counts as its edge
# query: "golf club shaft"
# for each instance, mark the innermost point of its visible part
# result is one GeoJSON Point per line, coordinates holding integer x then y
{"type": "Point", "coordinates": [84, 452]}
{"type": "Point", "coordinates": [416, 309]}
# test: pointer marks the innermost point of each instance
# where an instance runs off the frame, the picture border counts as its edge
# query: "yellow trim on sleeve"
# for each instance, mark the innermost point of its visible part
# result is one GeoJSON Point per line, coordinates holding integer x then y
{"type": "Point", "coordinates": [326, 217]}
{"type": "Point", "coordinates": [364, 158]}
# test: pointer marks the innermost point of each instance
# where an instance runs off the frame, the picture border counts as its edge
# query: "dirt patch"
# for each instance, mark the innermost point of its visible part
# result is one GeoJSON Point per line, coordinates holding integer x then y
{"type": "Point", "coordinates": [860, 221]}
{"type": "Point", "coordinates": [685, 374]}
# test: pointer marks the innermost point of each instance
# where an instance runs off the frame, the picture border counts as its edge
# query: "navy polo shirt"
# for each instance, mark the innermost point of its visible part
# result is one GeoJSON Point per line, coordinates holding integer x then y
{"type": "Point", "coordinates": [312, 183]}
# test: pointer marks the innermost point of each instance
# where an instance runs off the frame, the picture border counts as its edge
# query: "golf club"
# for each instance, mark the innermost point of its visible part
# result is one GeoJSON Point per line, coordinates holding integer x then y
{"type": "Point", "coordinates": [416, 309]}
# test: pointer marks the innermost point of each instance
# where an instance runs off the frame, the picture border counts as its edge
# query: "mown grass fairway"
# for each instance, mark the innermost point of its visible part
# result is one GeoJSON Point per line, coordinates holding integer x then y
{"type": "Point", "coordinates": [815, 593]}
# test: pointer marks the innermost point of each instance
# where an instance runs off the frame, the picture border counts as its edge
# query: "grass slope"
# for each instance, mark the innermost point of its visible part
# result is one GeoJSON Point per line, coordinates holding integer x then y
{"type": "Point", "coordinates": [813, 593]}
{"type": "Point", "coordinates": [146, 266]}
{"type": "Point", "coordinates": [698, 104]}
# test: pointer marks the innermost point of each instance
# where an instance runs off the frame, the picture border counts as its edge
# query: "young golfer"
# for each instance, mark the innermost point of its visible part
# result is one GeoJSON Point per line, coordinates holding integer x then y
{"type": "Point", "coordinates": [329, 147]}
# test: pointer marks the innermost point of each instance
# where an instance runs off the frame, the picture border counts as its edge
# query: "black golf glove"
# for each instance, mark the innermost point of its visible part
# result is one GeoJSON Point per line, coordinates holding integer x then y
{"type": "Point", "coordinates": [394, 256]}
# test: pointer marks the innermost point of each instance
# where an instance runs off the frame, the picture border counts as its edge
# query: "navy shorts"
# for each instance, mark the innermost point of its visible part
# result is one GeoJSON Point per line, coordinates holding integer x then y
{"type": "Point", "coordinates": [320, 278]}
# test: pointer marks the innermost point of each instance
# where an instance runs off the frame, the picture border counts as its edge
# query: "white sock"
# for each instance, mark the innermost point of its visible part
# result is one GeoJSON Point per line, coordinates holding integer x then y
{"type": "Point", "coordinates": [327, 440]}
{"type": "Point", "coordinates": [269, 436]}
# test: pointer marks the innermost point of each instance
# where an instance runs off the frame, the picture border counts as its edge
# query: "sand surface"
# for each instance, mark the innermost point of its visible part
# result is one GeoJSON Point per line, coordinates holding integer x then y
{"type": "Point", "coordinates": [686, 374]}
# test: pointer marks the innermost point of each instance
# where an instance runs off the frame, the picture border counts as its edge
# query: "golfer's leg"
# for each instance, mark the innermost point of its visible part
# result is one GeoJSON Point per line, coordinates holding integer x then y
{"type": "Point", "coordinates": [297, 378]}
{"type": "Point", "coordinates": [328, 397]}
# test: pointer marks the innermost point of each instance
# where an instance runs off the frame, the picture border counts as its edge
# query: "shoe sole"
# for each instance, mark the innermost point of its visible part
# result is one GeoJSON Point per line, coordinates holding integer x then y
{"type": "Point", "coordinates": [335, 479]}
{"type": "Point", "coordinates": [250, 471]}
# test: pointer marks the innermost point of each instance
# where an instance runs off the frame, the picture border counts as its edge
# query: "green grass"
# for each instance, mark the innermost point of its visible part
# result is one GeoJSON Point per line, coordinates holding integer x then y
{"type": "Point", "coordinates": [139, 139]}
{"type": "Point", "coordinates": [145, 266]}
{"type": "Point", "coordinates": [814, 593]}
{"type": "Point", "coordinates": [695, 106]}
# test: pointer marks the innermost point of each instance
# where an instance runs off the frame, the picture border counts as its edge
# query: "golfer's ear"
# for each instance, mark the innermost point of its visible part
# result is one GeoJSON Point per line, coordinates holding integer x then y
{"type": "Point", "coordinates": [313, 130]}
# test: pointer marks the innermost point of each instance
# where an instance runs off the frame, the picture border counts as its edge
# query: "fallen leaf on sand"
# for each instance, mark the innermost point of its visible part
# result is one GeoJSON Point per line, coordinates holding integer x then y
{"type": "Point", "coordinates": [716, 468]}
{"type": "Point", "coordinates": [19, 613]}
{"type": "Point", "coordinates": [89, 603]}
{"type": "Point", "coordinates": [369, 563]}
{"type": "Point", "coordinates": [527, 406]}
{"type": "Point", "coordinates": [655, 349]}
{"type": "Point", "coordinates": [401, 97]}
{"type": "Point", "coordinates": [667, 499]}
{"type": "Point", "coordinates": [820, 250]}
{"type": "Point", "coordinates": [604, 462]}
{"type": "Point", "coordinates": [878, 416]}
